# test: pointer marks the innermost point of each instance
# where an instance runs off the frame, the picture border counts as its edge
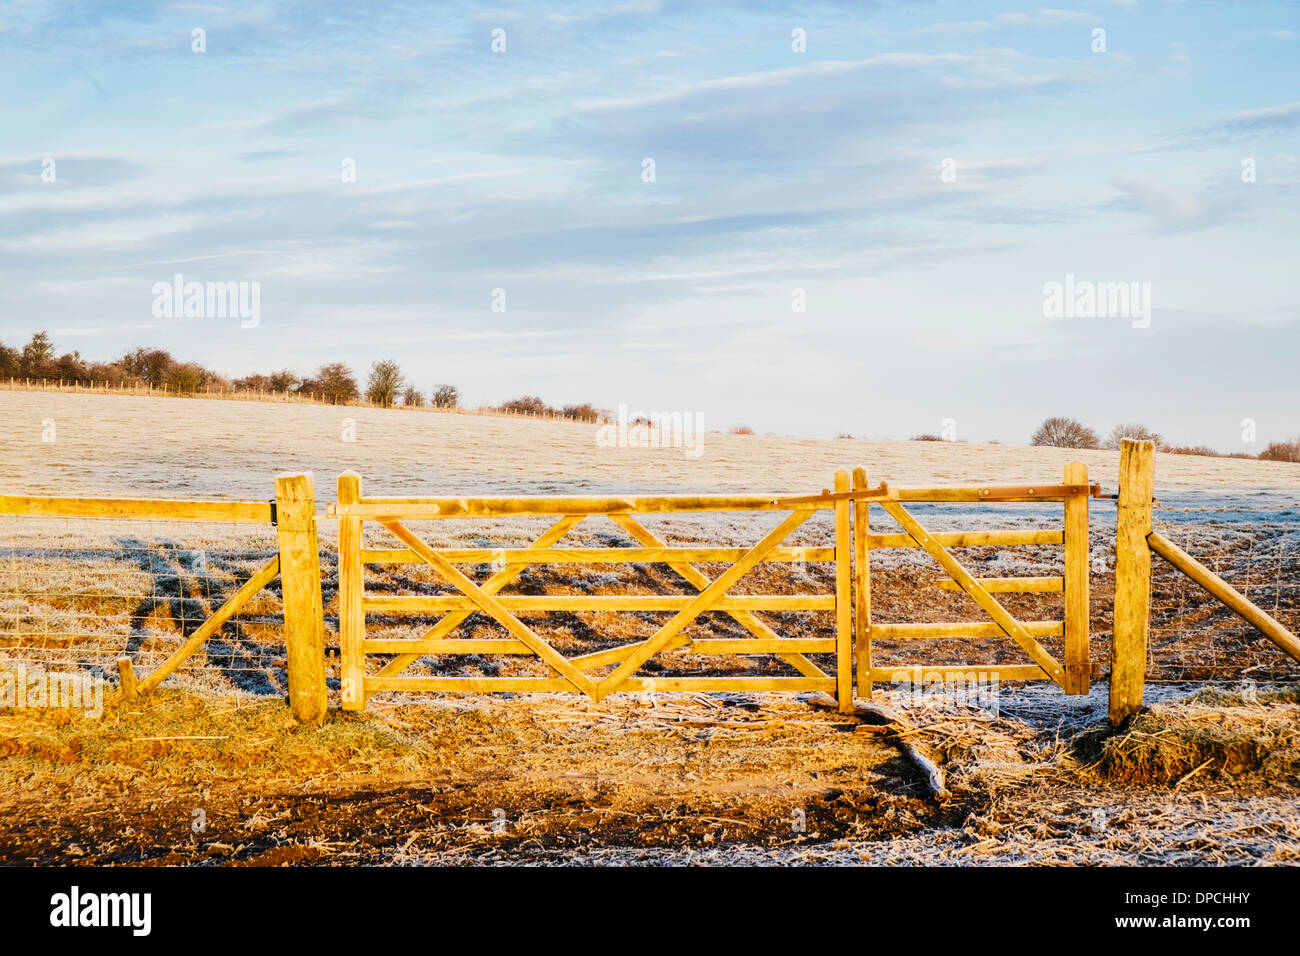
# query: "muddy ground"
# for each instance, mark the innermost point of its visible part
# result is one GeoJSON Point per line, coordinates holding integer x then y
{"type": "Point", "coordinates": [1204, 777]}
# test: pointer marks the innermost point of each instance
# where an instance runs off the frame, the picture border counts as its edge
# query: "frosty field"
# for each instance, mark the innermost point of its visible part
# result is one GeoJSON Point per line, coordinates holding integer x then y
{"type": "Point", "coordinates": [681, 778]}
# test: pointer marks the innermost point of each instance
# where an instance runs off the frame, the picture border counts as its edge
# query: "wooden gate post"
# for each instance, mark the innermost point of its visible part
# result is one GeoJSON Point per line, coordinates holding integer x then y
{"type": "Point", "coordinates": [352, 616]}
{"type": "Point", "coordinates": [843, 597]}
{"type": "Point", "coordinates": [1076, 582]}
{"type": "Point", "coordinates": [1132, 579]}
{"type": "Point", "coordinates": [861, 586]}
{"type": "Point", "coordinates": [304, 622]}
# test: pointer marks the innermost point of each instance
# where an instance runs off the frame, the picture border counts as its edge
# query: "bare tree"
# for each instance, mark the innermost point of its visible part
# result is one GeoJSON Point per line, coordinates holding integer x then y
{"type": "Point", "coordinates": [1062, 432]}
{"type": "Point", "coordinates": [446, 396]}
{"type": "Point", "coordinates": [333, 382]}
{"type": "Point", "coordinates": [1135, 432]}
{"type": "Point", "coordinates": [282, 381]}
{"type": "Point", "coordinates": [412, 397]}
{"type": "Point", "coordinates": [385, 382]}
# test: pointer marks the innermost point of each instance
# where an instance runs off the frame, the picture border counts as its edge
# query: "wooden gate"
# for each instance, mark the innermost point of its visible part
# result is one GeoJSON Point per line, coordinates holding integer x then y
{"type": "Point", "coordinates": [603, 672]}
{"type": "Point", "coordinates": [1072, 674]}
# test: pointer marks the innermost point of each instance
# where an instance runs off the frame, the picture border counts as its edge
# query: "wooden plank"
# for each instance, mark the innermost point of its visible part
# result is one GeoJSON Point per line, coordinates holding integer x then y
{"type": "Point", "coordinates": [1132, 579]}
{"type": "Point", "coordinates": [649, 555]}
{"type": "Point", "coordinates": [429, 508]}
{"type": "Point", "coordinates": [862, 587]}
{"type": "Point", "coordinates": [352, 616]}
{"type": "Point", "coordinates": [304, 621]}
{"type": "Point", "coordinates": [1044, 492]}
{"type": "Point", "coordinates": [986, 601]}
{"type": "Point", "coordinates": [700, 581]}
{"type": "Point", "coordinates": [741, 645]}
{"type": "Point", "coordinates": [446, 645]}
{"type": "Point", "coordinates": [843, 596]}
{"type": "Point", "coordinates": [1237, 602]}
{"type": "Point", "coordinates": [490, 605]}
{"type": "Point", "coordinates": [701, 603]}
{"type": "Point", "coordinates": [1001, 672]}
{"type": "Point", "coordinates": [971, 539]}
{"type": "Point", "coordinates": [1012, 585]}
{"type": "Point", "coordinates": [265, 575]}
{"type": "Point", "coordinates": [945, 631]}
{"type": "Point", "coordinates": [492, 585]}
{"type": "Point", "coordinates": [706, 646]}
{"type": "Point", "coordinates": [525, 685]}
{"type": "Point", "coordinates": [424, 604]}
{"type": "Point", "coordinates": [160, 509]}
{"type": "Point", "coordinates": [1075, 582]}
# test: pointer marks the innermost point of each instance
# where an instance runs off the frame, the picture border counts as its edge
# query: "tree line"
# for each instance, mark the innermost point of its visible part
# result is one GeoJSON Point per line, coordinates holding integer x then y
{"type": "Point", "coordinates": [333, 382]}
{"type": "Point", "coordinates": [1062, 432]}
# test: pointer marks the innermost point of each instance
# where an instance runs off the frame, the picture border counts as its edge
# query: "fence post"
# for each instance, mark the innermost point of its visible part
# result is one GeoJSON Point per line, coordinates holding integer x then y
{"type": "Point", "coordinates": [352, 618]}
{"type": "Point", "coordinates": [843, 598]}
{"type": "Point", "coordinates": [861, 586]}
{"type": "Point", "coordinates": [1076, 582]}
{"type": "Point", "coordinates": [1132, 579]}
{"type": "Point", "coordinates": [304, 623]}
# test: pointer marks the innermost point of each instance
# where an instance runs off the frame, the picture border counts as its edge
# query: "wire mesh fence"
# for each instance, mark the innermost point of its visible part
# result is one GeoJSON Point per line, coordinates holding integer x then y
{"type": "Point", "coordinates": [1193, 636]}
{"type": "Point", "coordinates": [78, 593]}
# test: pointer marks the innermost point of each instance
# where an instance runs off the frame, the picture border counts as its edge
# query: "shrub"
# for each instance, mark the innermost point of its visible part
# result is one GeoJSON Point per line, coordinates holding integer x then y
{"type": "Point", "coordinates": [1282, 451]}
{"type": "Point", "coordinates": [1061, 432]}
{"type": "Point", "coordinates": [528, 405]}
{"type": "Point", "coordinates": [586, 412]}
{"type": "Point", "coordinates": [742, 430]}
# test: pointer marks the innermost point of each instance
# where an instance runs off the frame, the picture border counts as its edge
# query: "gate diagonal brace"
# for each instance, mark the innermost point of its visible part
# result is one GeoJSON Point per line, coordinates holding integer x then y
{"type": "Point", "coordinates": [700, 604]}
{"type": "Point", "coordinates": [491, 586]}
{"type": "Point", "coordinates": [1013, 628]}
{"type": "Point", "coordinates": [700, 581]}
{"type": "Point", "coordinates": [494, 608]}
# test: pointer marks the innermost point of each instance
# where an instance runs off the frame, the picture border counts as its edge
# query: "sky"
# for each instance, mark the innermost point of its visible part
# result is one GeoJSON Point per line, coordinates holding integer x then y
{"type": "Point", "coordinates": [810, 219]}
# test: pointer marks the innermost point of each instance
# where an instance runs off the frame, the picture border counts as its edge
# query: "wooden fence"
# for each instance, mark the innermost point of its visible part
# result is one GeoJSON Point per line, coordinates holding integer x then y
{"type": "Point", "coordinates": [1135, 542]}
{"type": "Point", "coordinates": [297, 564]}
{"type": "Point", "coordinates": [847, 549]}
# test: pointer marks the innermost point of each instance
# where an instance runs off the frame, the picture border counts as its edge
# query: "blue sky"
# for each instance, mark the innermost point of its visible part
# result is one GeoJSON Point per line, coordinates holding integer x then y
{"type": "Point", "coordinates": [775, 170]}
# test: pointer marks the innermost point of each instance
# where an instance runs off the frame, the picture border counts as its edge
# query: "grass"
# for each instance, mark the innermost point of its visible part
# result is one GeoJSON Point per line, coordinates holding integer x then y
{"type": "Point", "coordinates": [180, 734]}
{"type": "Point", "coordinates": [1213, 734]}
